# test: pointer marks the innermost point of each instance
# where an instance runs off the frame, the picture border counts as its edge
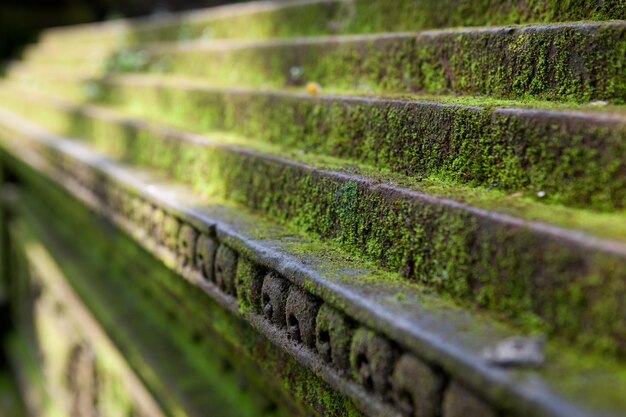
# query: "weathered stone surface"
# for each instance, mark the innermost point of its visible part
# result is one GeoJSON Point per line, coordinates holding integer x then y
{"type": "Point", "coordinates": [370, 304]}
{"type": "Point", "coordinates": [372, 357]}
{"type": "Point", "coordinates": [301, 247]}
{"type": "Point", "coordinates": [301, 311]}
{"type": "Point", "coordinates": [257, 20]}
{"type": "Point", "coordinates": [475, 241]}
{"type": "Point", "coordinates": [250, 285]}
{"type": "Point", "coordinates": [417, 387]}
{"type": "Point", "coordinates": [274, 295]}
{"type": "Point", "coordinates": [226, 269]}
{"type": "Point", "coordinates": [187, 245]}
{"type": "Point", "coordinates": [206, 247]}
{"type": "Point", "coordinates": [171, 226]}
{"type": "Point", "coordinates": [333, 337]}
{"type": "Point", "coordinates": [460, 402]}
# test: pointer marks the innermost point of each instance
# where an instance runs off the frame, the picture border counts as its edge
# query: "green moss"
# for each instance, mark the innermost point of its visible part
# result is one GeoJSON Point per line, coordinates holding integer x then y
{"type": "Point", "coordinates": [569, 63]}
{"type": "Point", "coordinates": [510, 270]}
{"type": "Point", "coordinates": [520, 152]}
{"type": "Point", "coordinates": [405, 15]}
{"type": "Point", "coordinates": [11, 403]}
{"type": "Point", "coordinates": [564, 365]}
{"type": "Point", "coordinates": [575, 63]}
{"type": "Point", "coordinates": [604, 372]}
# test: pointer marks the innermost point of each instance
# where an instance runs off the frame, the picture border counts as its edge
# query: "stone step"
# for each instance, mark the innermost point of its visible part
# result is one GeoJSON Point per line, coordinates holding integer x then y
{"type": "Point", "coordinates": [569, 280]}
{"type": "Point", "coordinates": [571, 155]}
{"type": "Point", "coordinates": [265, 19]}
{"type": "Point", "coordinates": [569, 62]}
{"type": "Point", "coordinates": [421, 338]}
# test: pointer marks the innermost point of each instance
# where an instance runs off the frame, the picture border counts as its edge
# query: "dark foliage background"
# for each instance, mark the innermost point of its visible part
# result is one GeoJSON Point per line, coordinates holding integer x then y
{"type": "Point", "coordinates": [21, 20]}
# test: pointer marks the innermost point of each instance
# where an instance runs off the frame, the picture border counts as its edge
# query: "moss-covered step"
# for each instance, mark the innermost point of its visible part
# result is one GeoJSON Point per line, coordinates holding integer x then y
{"type": "Point", "coordinates": [477, 253]}
{"type": "Point", "coordinates": [570, 62]}
{"type": "Point", "coordinates": [311, 17]}
{"type": "Point", "coordinates": [137, 141]}
{"type": "Point", "coordinates": [483, 248]}
{"type": "Point", "coordinates": [574, 156]}
{"type": "Point", "coordinates": [394, 330]}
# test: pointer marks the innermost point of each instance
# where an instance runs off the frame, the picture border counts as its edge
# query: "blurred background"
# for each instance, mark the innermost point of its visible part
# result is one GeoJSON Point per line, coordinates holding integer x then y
{"type": "Point", "coordinates": [22, 20]}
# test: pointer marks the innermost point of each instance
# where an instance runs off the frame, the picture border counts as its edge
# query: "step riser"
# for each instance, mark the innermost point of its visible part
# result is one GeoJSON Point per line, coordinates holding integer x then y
{"type": "Point", "coordinates": [495, 262]}
{"type": "Point", "coordinates": [578, 62]}
{"type": "Point", "coordinates": [578, 159]}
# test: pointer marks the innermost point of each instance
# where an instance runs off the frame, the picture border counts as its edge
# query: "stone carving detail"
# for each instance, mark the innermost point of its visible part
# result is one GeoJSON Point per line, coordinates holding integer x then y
{"type": "Point", "coordinates": [82, 381]}
{"type": "Point", "coordinates": [360, 354]}
{"type": "Point", "coordinates": [333, 336]}
{"type": "Point", "coordinates": [187, 245]}
{"type": "Point", "coordinates": [417, 387]}
{"type": "Point", "coordinates": [300, 312]}
{"type": "Point", "coordinates": [275, 291]}
{"type": "Point", "coordinates": [226, 269]}
{"type": "Point", "coordinates": [205, 256]}
{"type": "Point", "coordinates": [371, 358]}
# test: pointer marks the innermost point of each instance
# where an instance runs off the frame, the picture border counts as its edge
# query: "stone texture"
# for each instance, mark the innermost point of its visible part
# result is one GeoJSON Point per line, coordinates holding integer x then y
{"type": "Point", "coordinates": [250, 284]}
{"type": "Point", "coordinates": [205, 256]}
{"type": "Point", "coordinates": [417, 388]}
{"type": "Point", "coordinates": [187, 244]}
{"type": "Point", "coordinates": [275, 291]}
{"type": "Point", "coordinates": [226, 269]}
{"type": "Point", "coordinates": [301, 310]}
{"type": "Point", "coordinates": [171, 225]}
{"type": "Point", "coordinates": [371, 358]}
{"type": "Point", "coordinates": [460, 402]}
{"type": "Point", "coordinates": [333, 334]}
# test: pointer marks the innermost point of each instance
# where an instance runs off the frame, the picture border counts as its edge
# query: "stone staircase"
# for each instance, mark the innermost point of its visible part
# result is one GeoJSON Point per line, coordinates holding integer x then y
{"type": "Point", "coordinates": [321, 207]}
